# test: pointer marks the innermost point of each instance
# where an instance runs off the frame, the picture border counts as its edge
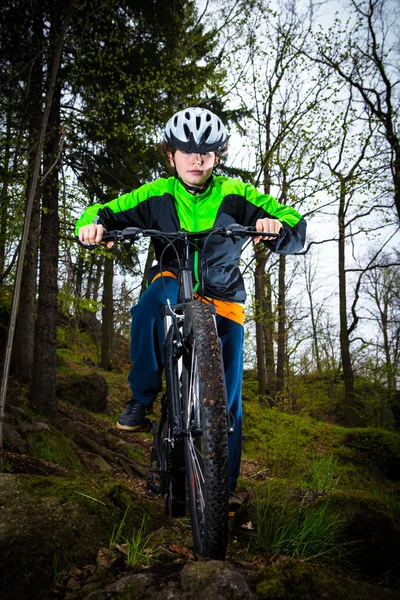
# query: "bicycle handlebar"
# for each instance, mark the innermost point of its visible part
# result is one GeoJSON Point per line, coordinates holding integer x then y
{"type": "Point", "coordinates": [234, 230]}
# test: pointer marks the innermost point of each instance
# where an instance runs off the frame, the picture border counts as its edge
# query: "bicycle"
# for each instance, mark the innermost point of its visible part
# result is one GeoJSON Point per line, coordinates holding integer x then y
{"type": "Point", "coordinates": [190, 441]}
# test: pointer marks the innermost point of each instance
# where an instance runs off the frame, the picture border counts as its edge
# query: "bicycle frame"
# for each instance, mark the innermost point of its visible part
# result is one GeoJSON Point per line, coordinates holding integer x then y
{"type": "Point", "coordinates": [182, 450]}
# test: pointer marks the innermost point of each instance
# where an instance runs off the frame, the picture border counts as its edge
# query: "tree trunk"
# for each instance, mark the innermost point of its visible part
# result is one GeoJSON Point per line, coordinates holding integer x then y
{"type": "Point", "coordinates": [315, 341]}
{"type": "Point", "coordinates": [43, 384]}
{"type": "Point", "coordinates": [23, 348]}
{"type": "Point", "coordinates": [78, 275]}
{"type": "Point", "coordinates": [281, 352]}
{"type": "Point", "coordinates": [350, 417]}
{"type": "Point", "coordinates": [390, 370]}
{"type": "Point", "coordinates": [269, 327]}
{"type": "Point", "coordinates": [261, 259]}
{"type": "Point", "coordinates": [4, 194]}
{"type": "Point", "coordinates": [149, 262]}
{"type": "Point", "coordinates": [107, 326]}
{"type": "Point", "coordinates": [96, 281]}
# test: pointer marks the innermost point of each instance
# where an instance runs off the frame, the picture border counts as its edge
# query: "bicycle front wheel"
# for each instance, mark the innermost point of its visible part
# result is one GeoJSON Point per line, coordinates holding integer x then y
{"type": "Point", "coordinates": [205, 421]}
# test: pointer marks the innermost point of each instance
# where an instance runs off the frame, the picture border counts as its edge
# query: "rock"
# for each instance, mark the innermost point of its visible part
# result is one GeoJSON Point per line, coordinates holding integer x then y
{"type": "Point", "coordinates": [101, 465]}
{"type": "Point", "coordinates": [37, 531]}
{"type": "Point", "coordinates": [107, 558]}
{"type": "Point", "coordinates": [371, 529]}
{"type": "Point", "coordinates": [13, 440]}
{"type": "Point", "coordinates": [88, 392]}
{"type": "Point", "coordinates": [129, 586]}
{"type": "Point", "coordinates": [377, 448]}
{"type": "Point", "coordinates": [288, 579]}
{"type": "Point", "coordinates": [16, 414]}
{"type": "Point", "coordinates": [34, 427]}
{"type": "Point", "coordinates": [214, 579]}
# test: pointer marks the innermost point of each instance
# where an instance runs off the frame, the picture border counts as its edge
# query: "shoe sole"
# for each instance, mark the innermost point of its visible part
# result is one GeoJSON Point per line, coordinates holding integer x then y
{"type": "Point", "coordinates": [128, 428]}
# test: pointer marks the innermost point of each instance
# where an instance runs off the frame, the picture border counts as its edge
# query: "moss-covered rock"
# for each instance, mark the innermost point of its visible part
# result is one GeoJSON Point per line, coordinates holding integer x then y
{"type": "Point", "coordinates": [378, 448]}
{"type": "Point", "coordinates": [51, 445]}
{"type": "Point", "coordinates": [214, 579]}
{"type": "Point", "coordinates": [50, 523]}
{"type": "Point", "coordinates": [371, 531]}
{"type": "Point", "coordinates": [288, 579]}
{"type": "Point", "coordinates": [87, 391]}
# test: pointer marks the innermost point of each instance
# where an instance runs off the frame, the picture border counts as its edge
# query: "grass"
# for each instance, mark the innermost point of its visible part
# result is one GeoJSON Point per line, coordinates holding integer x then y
{"type": "Point", "coordinates": [322, 476]}
{"type": "Point", "coordinates": [303, 531]}
{"type": "Point", "coordinates": [136, 546]}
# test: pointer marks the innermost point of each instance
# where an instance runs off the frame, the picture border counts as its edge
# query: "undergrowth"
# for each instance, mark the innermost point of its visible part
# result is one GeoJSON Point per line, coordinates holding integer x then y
{"type": "Point", "coordinates": [136, 545]}
{"type": "Point", "coordinates": [305, 531]}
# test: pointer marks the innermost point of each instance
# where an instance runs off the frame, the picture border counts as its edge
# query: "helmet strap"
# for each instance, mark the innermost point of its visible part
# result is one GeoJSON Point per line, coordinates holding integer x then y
{"type": "Point", "coordinates": [193, 189]}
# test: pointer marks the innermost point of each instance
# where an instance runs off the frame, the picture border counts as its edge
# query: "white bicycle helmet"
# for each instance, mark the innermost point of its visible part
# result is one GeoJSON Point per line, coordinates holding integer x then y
{"type": "Point", "coordinates": [196, 129]}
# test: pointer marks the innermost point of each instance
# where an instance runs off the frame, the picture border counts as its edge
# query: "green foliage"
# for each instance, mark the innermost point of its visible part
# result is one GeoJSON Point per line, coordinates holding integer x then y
{"type": "Point", "coordinates": [70, 304]}
{"type": "Point", "coordinates": [373, 402]}
{"type": "Point", "coordinates": [317, 395]}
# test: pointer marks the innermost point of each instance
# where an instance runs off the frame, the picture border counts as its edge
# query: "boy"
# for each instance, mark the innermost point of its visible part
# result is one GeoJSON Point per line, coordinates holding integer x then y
{"type": "Point", "coordinates": [193, 199]}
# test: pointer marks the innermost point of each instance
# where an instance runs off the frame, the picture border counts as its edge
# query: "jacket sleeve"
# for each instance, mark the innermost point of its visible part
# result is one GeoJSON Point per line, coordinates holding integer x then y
{"type": "Point", "coordinates": [293, 232]}
{"type": "Point", "coordinates": [128, 210]}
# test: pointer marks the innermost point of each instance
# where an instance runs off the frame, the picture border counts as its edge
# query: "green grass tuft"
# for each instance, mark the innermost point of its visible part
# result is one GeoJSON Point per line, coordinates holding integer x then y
{"type": "Point", "coordinates": [303, 531]}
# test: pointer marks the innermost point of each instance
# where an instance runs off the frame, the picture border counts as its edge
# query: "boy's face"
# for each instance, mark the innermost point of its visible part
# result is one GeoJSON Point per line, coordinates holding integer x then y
{"type": "Point", "coordinates": [193, 169]}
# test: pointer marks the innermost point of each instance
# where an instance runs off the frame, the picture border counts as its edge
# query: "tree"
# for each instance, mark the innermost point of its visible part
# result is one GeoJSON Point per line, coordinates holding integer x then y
{"type": "Point", "coordinates": [42, 389]}
{"type": "Point", "coordinates": [367, 59]}
{"type": "Point", "coordinates": [107, 314]}
{"type": "Point", "coordinates": [281, 107]}
{"type": "Point", "coordinates": [382, 286]}
{"type": "Point", "coordinates": [116, 84]}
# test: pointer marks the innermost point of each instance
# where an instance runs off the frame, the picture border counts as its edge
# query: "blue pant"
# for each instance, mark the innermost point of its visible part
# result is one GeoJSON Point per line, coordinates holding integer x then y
{"type": "Point", "coordinates": [147, 334]}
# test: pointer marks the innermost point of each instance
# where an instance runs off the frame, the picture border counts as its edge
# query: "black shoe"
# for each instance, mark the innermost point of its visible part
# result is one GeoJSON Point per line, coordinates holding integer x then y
{"type": "Point", "coordinates": [234, 502]}
{"type": "Point", "coordinates": [132, 418]}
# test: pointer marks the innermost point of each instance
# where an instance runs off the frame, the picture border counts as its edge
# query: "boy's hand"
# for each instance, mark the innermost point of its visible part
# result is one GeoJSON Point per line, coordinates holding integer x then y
{"type": "Point", "coordinates": [91, 235]}
{"type": "Point", "coordinates": [269, 225]}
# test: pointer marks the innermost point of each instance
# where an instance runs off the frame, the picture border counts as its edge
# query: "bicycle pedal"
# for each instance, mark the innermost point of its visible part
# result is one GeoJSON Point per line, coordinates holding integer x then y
{"type": "Point", "coordinates": [151, 481]}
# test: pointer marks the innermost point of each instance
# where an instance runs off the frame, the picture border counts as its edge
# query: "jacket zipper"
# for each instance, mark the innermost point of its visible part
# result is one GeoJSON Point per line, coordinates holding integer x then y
{"type": "Point", "coordinates": [196, 252]}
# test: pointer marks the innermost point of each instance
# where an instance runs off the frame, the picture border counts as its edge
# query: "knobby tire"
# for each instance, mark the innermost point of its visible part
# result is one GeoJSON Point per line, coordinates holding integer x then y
{"type": "Point", "coordinates": [205, 420]}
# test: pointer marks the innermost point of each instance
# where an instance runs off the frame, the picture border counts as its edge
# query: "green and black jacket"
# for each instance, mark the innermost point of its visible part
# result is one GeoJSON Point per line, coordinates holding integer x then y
{"type": "Point", "coordinates": [167, 206]}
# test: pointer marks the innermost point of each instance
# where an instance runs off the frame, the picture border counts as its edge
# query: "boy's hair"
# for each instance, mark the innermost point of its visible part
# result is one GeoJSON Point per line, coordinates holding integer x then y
{"type": "Point", "coordinates": [165, 148]}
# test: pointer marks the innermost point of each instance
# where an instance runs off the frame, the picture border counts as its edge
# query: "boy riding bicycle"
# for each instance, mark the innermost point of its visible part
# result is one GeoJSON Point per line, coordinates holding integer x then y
{"type": "Point", "coordinates": [193, 199]}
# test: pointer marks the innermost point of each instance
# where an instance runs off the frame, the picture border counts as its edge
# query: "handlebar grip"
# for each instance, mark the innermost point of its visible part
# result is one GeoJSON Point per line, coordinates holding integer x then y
{"type": "Point", "coordinates": [250, 231]}
{"type": "Point", "coordinates": [129, 233]}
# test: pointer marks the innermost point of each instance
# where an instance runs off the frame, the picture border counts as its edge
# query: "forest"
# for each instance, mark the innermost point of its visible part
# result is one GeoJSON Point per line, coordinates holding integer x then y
{"type": "Point", "coordinates": [310, 95]}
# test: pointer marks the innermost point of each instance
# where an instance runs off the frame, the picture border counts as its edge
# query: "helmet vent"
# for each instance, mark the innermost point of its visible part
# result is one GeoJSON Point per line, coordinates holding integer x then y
{"type": "Point", "coordinates": [196, 129]}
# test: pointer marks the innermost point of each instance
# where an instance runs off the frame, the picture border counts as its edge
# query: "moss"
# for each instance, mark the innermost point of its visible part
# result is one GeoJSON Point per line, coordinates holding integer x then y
{"type": "Point", "coordinates": [52, 446]}
{"type": "Point", "coordinates": [106, 500]}
{"type": "Point", "coordinates": [132, 592]}
{"type": "Point", "coordinates": [372, 529]}
{"type": "Point", "coordinates": [377, 448]}
{"type": "Point", "coordinates": [288, 579]}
